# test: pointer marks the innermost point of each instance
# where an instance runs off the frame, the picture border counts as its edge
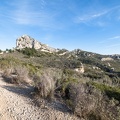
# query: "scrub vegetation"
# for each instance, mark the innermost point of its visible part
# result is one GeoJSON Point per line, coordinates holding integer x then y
{"type": "Point", "coordinates": [92, 95]}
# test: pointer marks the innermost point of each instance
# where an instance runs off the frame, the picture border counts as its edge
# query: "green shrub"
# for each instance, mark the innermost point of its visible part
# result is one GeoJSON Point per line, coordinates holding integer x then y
{"type": "Point", "coordinates": [17, 71]}
{"type": "Point", "coordinates": [82, 98]}
{"type": "Point", "coordinates": [111, 92]}
{"type": "Point", "coordinates": [32, 69]}
{"type": "Point", "coordinates": [89, 103]}
{"type": "Point", "coordinates": [67, 77]}
{"type": "Point", "coordinates": [29, 51]}
{"type": "Point", "coordinates": [8, 62]}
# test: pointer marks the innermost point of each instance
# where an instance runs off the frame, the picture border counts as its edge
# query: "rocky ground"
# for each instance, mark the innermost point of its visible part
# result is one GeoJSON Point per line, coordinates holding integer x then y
{"type": "Point", "coordinates": [16, 104]}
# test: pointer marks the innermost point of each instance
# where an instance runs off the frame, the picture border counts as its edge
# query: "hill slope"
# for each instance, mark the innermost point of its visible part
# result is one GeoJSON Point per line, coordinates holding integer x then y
{"type": "Point", "coordinates": [84, 83]}
{"type": "Point", "coordinates": [16, 104]}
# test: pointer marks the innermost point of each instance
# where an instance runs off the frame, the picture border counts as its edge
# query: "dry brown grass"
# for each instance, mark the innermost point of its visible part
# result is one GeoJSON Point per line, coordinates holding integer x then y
{"type": "Point", "coordinates": [45, 84]}
{"type": "Point", "coordinates": [21, 72]}
{"type": "Point", "coordinates": [17, 75]}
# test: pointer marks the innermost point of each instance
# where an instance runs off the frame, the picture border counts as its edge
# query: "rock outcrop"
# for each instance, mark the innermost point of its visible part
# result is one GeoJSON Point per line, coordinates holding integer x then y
{"type": "Point", "coordinates": [116, 56]}
{"type": "Point", "coordinates": [81, 69]}
{"type": "Point", "coordinates": [26, 41]}
{"type": "Point", "coordinates": [107, 59]}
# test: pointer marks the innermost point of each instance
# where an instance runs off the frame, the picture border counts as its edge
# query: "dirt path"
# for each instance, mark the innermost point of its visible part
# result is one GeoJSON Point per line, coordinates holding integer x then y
{"type": "Point", "coordinates": [16, 104]}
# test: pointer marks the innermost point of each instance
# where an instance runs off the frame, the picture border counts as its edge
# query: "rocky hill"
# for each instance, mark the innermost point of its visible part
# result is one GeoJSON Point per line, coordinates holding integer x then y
{"type": "Point", "coordinates": [116, 56]}
{"type": "Point", "coordinates": [80, 82]}
{"type": "Point", "coordinates": [26, 41]}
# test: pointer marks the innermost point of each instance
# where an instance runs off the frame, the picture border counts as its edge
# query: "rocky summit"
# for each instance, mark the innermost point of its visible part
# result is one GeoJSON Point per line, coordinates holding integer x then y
{"type": "Point", "coordinates": [26, 41]}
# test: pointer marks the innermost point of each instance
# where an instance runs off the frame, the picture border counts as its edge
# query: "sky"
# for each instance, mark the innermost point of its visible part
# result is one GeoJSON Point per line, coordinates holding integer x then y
{"type": "Point", "coordinates": [89, 25]}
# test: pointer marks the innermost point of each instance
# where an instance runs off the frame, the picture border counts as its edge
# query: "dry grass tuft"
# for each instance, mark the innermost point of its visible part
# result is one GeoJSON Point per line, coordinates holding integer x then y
{"type": "Point", "coordinates": [45, 84]}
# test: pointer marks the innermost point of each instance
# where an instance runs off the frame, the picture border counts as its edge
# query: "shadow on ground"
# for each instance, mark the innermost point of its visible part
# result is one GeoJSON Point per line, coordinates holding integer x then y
{"type": "Point", "coordinates": [27, 91]}
{"type": "Point", "coordinates": [23, 91]}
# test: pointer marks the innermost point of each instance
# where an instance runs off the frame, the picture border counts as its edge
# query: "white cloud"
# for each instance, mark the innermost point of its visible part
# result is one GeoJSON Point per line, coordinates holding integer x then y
{"type": "Point", "coordinates": [114, 45]}
{"type": "Point", "coordinates": [115, 37]}
{"type": "Point", "coordinates": [32, 18]}
{"type": "Point", "coordinates": [98, 16]}
{"type": "Point", "coordinates": [87, 18]}
{"type": "Point", "coordinates": [110, 39]}
{"type": "Point", "coordinates": [25, 12]}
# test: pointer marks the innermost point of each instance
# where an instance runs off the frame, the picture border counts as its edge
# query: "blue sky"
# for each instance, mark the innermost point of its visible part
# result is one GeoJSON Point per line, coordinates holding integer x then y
{"type": "Point", "coordinates": [90, 25]}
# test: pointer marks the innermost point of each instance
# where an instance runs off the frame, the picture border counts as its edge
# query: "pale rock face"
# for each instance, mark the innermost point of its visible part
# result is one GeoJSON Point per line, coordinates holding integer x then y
{"type": "Point", "coordinates": [80, 69]}
{"type": "Point", "coordinates": [107, 59]}
{"type": "Point", "coordinates": [95, 68]}
{"type": "Point", "coordinates": [36, 44]}
{"type": "Point", "coordinates": [26, 41]}
{"type": "Point", "coordinates": [109, 64]}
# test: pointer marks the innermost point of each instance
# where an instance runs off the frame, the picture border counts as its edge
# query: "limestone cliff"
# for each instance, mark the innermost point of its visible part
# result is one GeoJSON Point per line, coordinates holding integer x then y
{"type": "Point", "coordinates": [26, 41]}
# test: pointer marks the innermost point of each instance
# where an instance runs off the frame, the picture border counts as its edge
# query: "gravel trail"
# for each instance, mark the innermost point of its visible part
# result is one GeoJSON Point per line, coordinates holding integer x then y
{"type": "Point", "coordinates": [16, 104]}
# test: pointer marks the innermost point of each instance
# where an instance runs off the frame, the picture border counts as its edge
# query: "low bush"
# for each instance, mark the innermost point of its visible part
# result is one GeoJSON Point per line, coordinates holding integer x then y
{"type": "Point", "coordinates": [21, 73]}
{"type": "Point", "coordinates": [44, 85]}
{"type": "Point", "coordinates": [111, 92]}
{"type": "Point", "coordinates": [15, 70]}
{"type": "Point", "coordinates": [28, 51]}
{"type": "Point", "coordinates": [90, 103]}
{"type": "Point", "coordinates": [83, 99]}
